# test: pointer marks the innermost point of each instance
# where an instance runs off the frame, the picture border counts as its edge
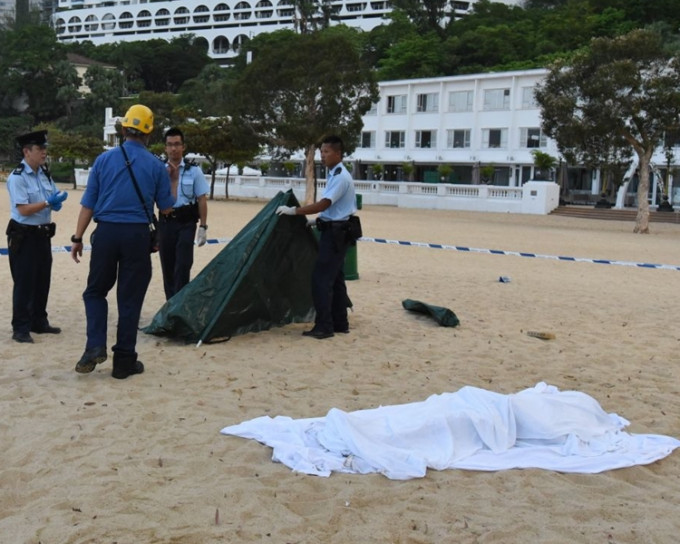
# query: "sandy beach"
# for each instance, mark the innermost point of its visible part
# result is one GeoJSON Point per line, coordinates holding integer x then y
{"type": "Point", "coordinates": [90, 459]}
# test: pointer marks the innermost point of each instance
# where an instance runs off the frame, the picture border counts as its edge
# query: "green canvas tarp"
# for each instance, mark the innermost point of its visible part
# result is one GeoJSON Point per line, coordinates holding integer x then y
{"type": "Point", "coordinates": [262, 278]}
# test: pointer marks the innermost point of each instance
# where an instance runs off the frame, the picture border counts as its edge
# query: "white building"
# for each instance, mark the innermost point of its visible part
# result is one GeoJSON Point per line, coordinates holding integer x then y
{"type": "Point", "coordinates": [224, 24]}
{"type": "Point", "coordinates": [466, 122]}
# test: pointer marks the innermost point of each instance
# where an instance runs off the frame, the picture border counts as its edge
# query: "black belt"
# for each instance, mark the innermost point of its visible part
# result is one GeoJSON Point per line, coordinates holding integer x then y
{"type": "Point", "coordinates": [323, 224]}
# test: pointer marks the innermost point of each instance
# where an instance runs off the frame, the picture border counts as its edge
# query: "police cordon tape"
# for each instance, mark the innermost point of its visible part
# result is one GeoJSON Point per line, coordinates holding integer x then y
{"type": "Point", "coordinates": [67, 249]}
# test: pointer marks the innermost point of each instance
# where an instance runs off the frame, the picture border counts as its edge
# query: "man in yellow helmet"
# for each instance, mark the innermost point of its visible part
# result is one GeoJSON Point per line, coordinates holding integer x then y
{"type": "Point", "coordinates": [124, 184]}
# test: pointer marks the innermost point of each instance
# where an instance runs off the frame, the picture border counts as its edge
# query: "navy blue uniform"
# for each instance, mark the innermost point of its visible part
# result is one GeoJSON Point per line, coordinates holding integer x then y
{"type": "Point", "coordinates": [120, 247]}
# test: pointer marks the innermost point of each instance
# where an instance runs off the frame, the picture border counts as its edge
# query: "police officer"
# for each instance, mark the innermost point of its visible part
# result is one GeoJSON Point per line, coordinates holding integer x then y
{"type": "Point", "coordinates": [337, 204]}
{"type": "Point", "coordinates": [177, 229]}
{"type": "Point", "coordinates": [121, 246]}
{"type": "Point", "coordinates": [33, 196]}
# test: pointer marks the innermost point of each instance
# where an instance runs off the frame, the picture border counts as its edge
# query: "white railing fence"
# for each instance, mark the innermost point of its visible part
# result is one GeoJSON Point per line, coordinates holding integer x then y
{"type": "Point", "coordinates": [534, 197]}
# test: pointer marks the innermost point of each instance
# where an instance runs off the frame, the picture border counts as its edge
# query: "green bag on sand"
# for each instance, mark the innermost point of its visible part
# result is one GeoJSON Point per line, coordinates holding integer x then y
{"type": "Point", "coordinates": [443, 316]}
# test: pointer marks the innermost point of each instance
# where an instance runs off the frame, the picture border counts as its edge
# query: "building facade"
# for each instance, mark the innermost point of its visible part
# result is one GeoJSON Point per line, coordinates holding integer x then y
{"type": "Point", "coordinates": [484, 127]}
{"type": "Point", "coordinates": [224, 24]}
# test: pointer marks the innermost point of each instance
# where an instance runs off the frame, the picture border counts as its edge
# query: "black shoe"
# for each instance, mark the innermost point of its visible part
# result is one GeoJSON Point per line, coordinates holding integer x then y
{"type": "Point", "coordinates": [121, 372]}
{"type": "Point", "coordinates": [91, 358]}
{"type": "Point", "coordinates": [22, 337]}
{"type": "Point", "coordinates": [46, 329]}
{"type": "Point", "coordinates": [319, 335]}
{"type": "Point", "coordinates": [341, 330]}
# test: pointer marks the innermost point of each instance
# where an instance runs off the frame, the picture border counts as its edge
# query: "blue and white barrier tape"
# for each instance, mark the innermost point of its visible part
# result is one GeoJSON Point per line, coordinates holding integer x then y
{"type": "Point", "coordinates": [521, 254]}
{"type": "Point", "coordinates": [67, 249]}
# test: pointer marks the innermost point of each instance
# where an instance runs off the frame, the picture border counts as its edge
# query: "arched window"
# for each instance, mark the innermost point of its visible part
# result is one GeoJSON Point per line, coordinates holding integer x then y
{"type": "Point", "coordinates": [285, 8]}
{"type": "Point", "coordinates": [108, 21]}
{"type": "Point", "coordinates": [74, 24]}
{"type": "Point", "coordinates": [125, 20]}
{"type": "Point", "coordinates": [60, 26]}
{"type": "Point", "coordinates": [263, 9]}
{"type": "Point", "coordinates": [201, 14]}
{"type": "Point", "coordinates": [242, 11]}
{"type": "Point", "coordinates": [239, 41]}
{"type": "Point", "coordinates": [162, 17]}
{"type": "Point", "coordinates": [91, 23]}
{"type": "Point", "coordinates": [181, 16]}
{"type": "Point", "coordinates": [221, 13]}
{"type": "Point", "coordinates": [144, 19]}
{"type": "Point", "coordinates": [220, 45]}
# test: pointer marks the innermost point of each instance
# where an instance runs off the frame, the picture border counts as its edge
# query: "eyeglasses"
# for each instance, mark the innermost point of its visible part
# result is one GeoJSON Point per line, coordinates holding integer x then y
{"type": "Point", "coordinates": [174, 144]}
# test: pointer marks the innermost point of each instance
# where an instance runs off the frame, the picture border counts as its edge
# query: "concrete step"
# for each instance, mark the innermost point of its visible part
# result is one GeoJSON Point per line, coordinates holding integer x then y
{"type": "Point", "coordinates": [610, 214]}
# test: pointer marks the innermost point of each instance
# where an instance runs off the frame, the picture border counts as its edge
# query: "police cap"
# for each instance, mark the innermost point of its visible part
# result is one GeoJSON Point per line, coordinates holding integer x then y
{"type": "Point", "coordinates": [32, 138]}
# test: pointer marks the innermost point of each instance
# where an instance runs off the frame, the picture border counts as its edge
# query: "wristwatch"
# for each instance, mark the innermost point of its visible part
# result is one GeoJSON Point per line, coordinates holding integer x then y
{"type": "Point", "coordinates": [76, 240]}
{"type": "Point", "coordinates": [203, 227]}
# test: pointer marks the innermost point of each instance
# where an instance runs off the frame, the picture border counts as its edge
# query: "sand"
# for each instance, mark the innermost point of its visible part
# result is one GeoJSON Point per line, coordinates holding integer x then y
{"type": "Point", "coordinates": [90, 459]}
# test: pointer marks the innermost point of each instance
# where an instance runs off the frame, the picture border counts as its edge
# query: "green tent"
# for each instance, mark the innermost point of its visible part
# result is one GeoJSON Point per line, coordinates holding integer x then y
{"type": "Point", "coordinates": [262, 278]}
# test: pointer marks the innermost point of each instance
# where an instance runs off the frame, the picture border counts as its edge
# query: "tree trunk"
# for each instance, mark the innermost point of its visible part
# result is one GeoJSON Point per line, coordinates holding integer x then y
{"type": "Point", "coordinates": [642, 218]}
{"type": "Point", "coordinates": [310, 178]}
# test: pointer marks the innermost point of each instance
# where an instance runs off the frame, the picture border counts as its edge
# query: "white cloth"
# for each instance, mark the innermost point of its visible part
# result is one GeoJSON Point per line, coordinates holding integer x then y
{"type": "Point", "coordinates": [474, 429]}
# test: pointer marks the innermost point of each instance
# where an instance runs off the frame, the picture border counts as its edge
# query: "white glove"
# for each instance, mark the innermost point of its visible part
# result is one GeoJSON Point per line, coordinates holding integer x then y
{"type": "Point", "coordinates": [201, 236]}
{"type": "Point", "coordinates": [285, 210]}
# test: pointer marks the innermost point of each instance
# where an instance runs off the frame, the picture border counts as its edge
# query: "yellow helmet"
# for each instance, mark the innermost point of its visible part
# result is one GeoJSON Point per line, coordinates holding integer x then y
{"type": "Point", "coordinates": [139, 118]}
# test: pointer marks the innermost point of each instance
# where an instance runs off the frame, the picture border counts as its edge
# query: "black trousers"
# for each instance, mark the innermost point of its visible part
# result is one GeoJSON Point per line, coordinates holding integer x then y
{"type": "Point", "coordinates": [329, 291]}
{"type": "Point", "coordinates": [176, 248]}
{"type": "Point", "coordinates": [30, 262]}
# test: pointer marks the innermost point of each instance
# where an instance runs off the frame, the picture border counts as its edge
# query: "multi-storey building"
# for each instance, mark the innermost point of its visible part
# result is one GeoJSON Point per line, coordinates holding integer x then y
{"type": "Point", "coordinates": [224, 24]}
{"type": "Point", "coordinates": [467, 122]}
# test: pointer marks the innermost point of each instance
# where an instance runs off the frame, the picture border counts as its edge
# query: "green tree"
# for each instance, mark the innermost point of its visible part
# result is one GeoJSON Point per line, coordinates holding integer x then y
{"type": "Point", "coordinates": [219, 139]}
{"type": "Point", "coordinates": [292, 106]}
{"type": "Point", "coordinates": [628, 86]}
{"type": "Point", "coordinates": [72, 148]}
{"type": "Point", "coordinates": [34, 80]}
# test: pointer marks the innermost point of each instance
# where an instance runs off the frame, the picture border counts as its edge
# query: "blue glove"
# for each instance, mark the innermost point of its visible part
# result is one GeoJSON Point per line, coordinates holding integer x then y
{"type": "Point", "coordinates": [56, 199]}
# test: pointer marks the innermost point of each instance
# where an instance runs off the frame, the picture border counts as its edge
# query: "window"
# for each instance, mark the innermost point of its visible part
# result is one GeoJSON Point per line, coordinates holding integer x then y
{"type": "Point", "coordinates": [396, 104]}
{"type": "Point", "coordinates": [532, 137]}
{"type": "Point", "coordinates": [220, 45]}
{"type": "Point", "coordinates": [426, 138]}
{"type": "Point", "coordinates": [528, 99]}
{"type": "Point", "coordinates": [497, 99]}
{"type": "Point", "coordinates": [162, 17]}
{"type": "Point", "coordinates": [428, 102]}
{"type": "Point", "coordinates": [373, 110]}
{"type": "Point", "coordinates": [181, 16]}
{"type": "Point", "coordinates": [125, 20]}
{"type": "Point", "coordinates": [91, 24]}
{"type": "Point", "coordinates": [368, 139]}
{"type": "Point", "coordinates": [221, 13]}
{"type": "Point", "coordinates": [285, 8]}
{"type": "Point", "coordinates": [458, 138]}
{"type": "Point", "coordinates": [201, 14]}
{"type": "Point", "coordinates": [74, 24]}
{"type": "Point", "coordinates": [495, 138]}
{"type": "Point", "coordinates": [144, 19]}
{"type": "Point", "coordinates": [242, 11]}
{"type": "Point", "coordinates": [395, 138]}
{"type": "Point", "coordinates": [461, 100]}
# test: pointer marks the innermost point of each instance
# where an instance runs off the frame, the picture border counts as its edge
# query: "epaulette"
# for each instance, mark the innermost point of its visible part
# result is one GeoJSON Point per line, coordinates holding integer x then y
{"type": "Point", "coordinates": [337, 171]}
{"type": "Point", "coordinates": [19, 169]}
{"type": "Point", "coordinates": [46, 171]}
{"type": "Point", "coordinates": [192, 162]}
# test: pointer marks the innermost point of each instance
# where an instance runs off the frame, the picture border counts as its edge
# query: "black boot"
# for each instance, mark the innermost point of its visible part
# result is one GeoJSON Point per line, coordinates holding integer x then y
{"type": "Point", "coordinates": [125, 365]}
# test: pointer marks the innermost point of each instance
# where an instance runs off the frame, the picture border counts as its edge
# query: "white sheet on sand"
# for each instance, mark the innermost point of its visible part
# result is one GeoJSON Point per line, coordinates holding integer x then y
{"type": "Point", "coordinates": [539, 427]}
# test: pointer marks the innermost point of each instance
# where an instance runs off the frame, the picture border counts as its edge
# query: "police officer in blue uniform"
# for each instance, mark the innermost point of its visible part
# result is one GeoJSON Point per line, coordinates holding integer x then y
{"type": "Point", "coordinates": [121, 246]}
{"type": "Point", "coordinates": [177, 229]}
{"type": "Point", "coordinates": [335, 208]}
{"type": "Point", "coordinates": [33, 196]}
